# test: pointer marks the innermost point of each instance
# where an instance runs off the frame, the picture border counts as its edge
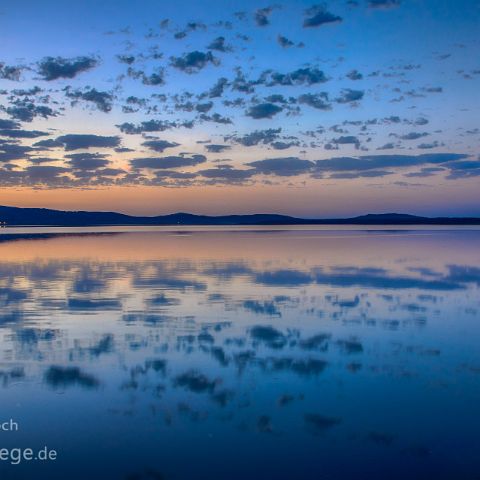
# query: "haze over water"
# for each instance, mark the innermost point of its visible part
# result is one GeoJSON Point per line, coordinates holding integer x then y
{"type": "Point", "coordinates": [267, 353]}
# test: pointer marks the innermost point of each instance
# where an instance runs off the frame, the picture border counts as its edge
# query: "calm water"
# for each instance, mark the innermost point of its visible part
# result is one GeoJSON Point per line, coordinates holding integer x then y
{"type": "Point", "coordinates": [269, 354]}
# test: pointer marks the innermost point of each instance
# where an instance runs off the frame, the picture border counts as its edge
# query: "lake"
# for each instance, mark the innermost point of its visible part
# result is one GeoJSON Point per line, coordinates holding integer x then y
{"type": "Point", "coordinates": [242, 353]}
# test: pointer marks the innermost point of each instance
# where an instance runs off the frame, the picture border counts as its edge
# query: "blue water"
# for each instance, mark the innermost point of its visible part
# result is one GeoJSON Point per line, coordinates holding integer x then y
{"type": "Point", "coordinates": [268, 354]}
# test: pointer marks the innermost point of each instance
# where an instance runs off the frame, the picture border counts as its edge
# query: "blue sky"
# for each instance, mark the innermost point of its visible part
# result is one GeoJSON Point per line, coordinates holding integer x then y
{"type": "Point", "coordinates": [311, 109]}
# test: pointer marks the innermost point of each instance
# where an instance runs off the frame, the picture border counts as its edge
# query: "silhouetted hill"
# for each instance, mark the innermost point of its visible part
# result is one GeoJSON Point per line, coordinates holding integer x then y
{"type": "Point", "coordinates": [15, 216]}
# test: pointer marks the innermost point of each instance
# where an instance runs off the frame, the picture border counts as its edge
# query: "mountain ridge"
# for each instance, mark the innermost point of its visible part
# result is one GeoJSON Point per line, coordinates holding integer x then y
{"type": "Point", "coordinates": [18, 216]}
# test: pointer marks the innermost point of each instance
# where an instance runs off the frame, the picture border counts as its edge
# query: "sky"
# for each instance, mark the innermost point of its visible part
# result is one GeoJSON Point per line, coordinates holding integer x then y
{"type": "Point", "coordinates": [215, 107]}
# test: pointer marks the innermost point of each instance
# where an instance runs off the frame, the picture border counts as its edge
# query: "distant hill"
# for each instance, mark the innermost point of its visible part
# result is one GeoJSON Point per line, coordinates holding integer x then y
{"type": "Point", "coordinates": [14, 216]}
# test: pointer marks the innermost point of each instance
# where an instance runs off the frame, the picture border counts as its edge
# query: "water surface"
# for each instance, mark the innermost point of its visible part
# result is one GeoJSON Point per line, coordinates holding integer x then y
{"type": "Point", "coordinates": [240, 353]}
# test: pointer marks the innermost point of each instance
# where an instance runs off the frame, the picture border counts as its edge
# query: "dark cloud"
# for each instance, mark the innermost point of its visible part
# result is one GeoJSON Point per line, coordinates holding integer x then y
{"type": "Point", "coordinates": [284, 41]}
{"type": "Point", "coordinates": [17, 133]}
{"type": "Point", "coordinates": [47, 144]}
{"type": "Point", "coordinates": [219, 45]}
{"type": "Point", "coordinates": [284, 145]}
{"type": "Point", "coordinates": [425, 172]}
{"type": "Point", "coordinates": [347, 95]}
{"type": "Point", "coordinates": [354, 75]}
{"type": "Point", "coordinates": [375, 162]}
{"type": "Point", "coordinates": [261, 16]}
{"type": "Point", "coordinates": [127, 59]}
{"type": "Point", "coordinates": [46, 174]}
{"type": "Point", "coordinates": [413, 135]}
{"type": "Point", "coordinates": [102, 100]}
{"type": "Point", "coordinates": [218, 88]}
{"type": "Point", "coordinates": [193, 62]}
{"type": "Point", "coordinates": [227, 174]}
{"type": "Point", "coordinates": [285, 167]}
{"type": "Point", "coordinates": [9, 72]}
{"type": "Point", "coordinates": [52, 68]}
{"type": "Point", "coordinates": [25, 110]}
{"type": "Point", "coordinates": [8, 124]}
{"type": "Point", "coordinates": [318, 15]}
{"type": "Point", "coordinates": [263, 110]}
{"type": "Point", "coordinates": [152, 126]}
{"type": "Point", "coordinates": [346, 140]}
{"type": "Point", "coordinates": [168, 162]}
{"type": "Point", "coordinates": [463, 169]}
{"type": "Point", "coordinates": [159, 145]}
{"type": "Point", "coordinates": [317, 424]}
{"type": "Point", "coordinates": [204, 107]}
{"type": "Point", "coordinates": [87, 161]}
{"type": "Point", "coordinates": [254, 138]}
{"type": "Point", "coordinates": [80, 141]}
{"type": "Point", "coordinates": [154, 79]}
{"type": "Point", "coordinates": [366, 174]}
{"type": "Point", "coordinates": [301, 76]}
{"type": "Point", "coordinates": [215, 148]}
{"type": "Point", "coordinates": [315, 100]}
{"type": "Point", "coordinates": [385, 4]}
{"type": "Point", "coordinates": [215, 118]}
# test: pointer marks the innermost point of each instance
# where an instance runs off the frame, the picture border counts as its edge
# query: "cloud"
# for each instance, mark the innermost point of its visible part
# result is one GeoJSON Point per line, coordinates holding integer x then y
{"type": "Point", "coordinates": [159, 145]}
{"type": "Point", "coordinates": [216, 118]}
{"type": "Point", "coordinates": [13, 151]}
{"type": "Point", "coordinates": [46, 174]}
{"type": "Point", "coordinates": [218, 89]}
{"type": "Point", "coordinates": [193, 62]}
{"type": "Point", "coordinates": [284, 145]}
{"type": "Point", "coordinates": [87, 161]}
{"type": "Point", "coordinates": [156, 78]}
{"type": "Point", "coordinates": [254, 138]}
{"type": "Point", "coordinates": [375, 162]}
{"type": "Point", "coordinates": [215, 148]}
{"type": "Point", "coordinates": [354, 75]}
{"type": "Point", "coordinates": [80, 141]}
{"type": "Point", "coordinates": [26, 111]}
{"type": "Point", "coordinates": [285, 167]}
{"type": "Point", "coordinates": [263, 110]}
{"type": "Point", "coordinates": [301, 76]}
{"type": "Point", "coordinates": [227, 174]}
{"type": "Point", "coordinates": [463, 169]}
{"type": "Point", "coordinates": [47, 144]}
{"type": "Point", "coordinates": [346, 140]}
{"type": "Point", "coordinates": [168, 162]}
{"type": "Point", "coordinates": [12, 73]}
{"type": "Point", "coordinates": [315, 100]}
{"type": "Point", "coordinates": [284, 41]}
{"type": "Point", "coordinates": [413, 135]}
{"type": "Point", "coordinates": [261, 16]}
{"type": "Point", "coordinates": [366, 174]}
{"type": "Point", "coordinates": [162, 174]}
{"type": "Point", "coordinates": [219, 45]}
{"type": "Point", "coordinates": [425, 172]}
{"type": "Point", "coordinates": [383, 4]}
{"type": "Point", "coordinates": [348, 95]}
{"type": "Point", "coordinates": [52, 68]}
{"type": "Point", "coordinates": [8, 124]}
{"type": "Point", "coordinates": [127, 59]}
{"type": "Point", "coordinates": [17, 133]}
{"type": "Point", "coordinates": [152, 126]}
{"type": "Point", "coordinates": [318, 15]}
{"type": "Point", "coordinates": [102, 100]}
